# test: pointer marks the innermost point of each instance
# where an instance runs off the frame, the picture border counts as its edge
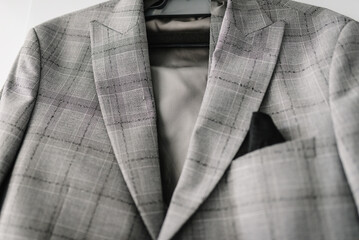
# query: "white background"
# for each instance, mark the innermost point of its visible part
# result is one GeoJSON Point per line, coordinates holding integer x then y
{"type": "Point", "coordinates": [18, 16]}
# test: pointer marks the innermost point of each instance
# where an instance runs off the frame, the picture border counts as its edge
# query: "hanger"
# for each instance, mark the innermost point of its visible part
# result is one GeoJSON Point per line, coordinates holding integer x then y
{"type": "Point", "coordinates": [177, 8]}
{"type": "Point", "coordinates": [173, 9]}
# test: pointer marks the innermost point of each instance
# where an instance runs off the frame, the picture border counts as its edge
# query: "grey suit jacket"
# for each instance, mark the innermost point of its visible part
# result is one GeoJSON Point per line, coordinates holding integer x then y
{"type": "Point", "coordinates": [78, 139]}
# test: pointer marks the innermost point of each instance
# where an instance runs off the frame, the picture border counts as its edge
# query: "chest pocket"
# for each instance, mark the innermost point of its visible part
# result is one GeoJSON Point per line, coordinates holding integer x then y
{"type": "Point", "coordinates": [272, 191]}
{"type": "Point", "coordinates": [280, 171]}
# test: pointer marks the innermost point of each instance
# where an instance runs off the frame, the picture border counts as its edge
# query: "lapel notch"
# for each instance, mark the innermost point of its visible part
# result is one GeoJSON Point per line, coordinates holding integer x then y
{"type": "Point", "coordinates": [243, 62]}
{"type": "Point", "coordinates": [124, 88]}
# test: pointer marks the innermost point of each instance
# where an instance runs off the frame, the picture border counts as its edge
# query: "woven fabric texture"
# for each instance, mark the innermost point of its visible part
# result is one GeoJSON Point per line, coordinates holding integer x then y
{"type": "Point", "coordinates": [78, 135]}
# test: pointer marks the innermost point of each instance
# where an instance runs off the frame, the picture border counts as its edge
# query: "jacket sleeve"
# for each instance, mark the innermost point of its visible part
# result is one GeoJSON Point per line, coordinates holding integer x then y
{"type": "Point", "coordinates": [344, 102]}
{"type": "Point", "coordinates": [17, 98]}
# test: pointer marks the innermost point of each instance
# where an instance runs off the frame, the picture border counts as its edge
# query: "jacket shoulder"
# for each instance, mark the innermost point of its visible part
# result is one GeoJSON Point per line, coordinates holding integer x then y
{"type": "Point", "coordinates": [71, 28]}
{"type": "Point", "coordinates": [75, 24]}
{"type": "Point", "coordinates": [79, 18]}
{"type": "Point", "coordinates": [300, 15]}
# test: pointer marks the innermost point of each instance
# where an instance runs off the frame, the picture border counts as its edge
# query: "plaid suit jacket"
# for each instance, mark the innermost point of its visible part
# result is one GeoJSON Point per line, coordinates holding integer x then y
{"type": "Point", "coordinates": [78, 139]}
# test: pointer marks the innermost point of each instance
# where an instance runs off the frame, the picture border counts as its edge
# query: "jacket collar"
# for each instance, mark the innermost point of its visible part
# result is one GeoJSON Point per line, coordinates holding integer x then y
{"type": "Point", "coordinates": [242, 64]}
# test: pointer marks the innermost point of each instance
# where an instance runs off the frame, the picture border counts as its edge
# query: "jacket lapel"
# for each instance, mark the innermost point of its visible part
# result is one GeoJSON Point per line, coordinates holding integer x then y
{"type": "Point", "coordinates": [123, 84]}
{"type": "Point", "coordinates": [242, 65]}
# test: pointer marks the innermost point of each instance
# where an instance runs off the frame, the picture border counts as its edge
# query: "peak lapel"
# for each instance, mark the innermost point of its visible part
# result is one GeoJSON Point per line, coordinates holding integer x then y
{"type": "Point", "coordinates": [243, 62]}
{"type": "Point", "coordinates": [123, 84]}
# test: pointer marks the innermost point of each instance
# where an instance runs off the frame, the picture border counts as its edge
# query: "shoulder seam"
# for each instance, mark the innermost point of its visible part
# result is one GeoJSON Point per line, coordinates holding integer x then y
{"type": "Point", "coordinates": [39, 46]}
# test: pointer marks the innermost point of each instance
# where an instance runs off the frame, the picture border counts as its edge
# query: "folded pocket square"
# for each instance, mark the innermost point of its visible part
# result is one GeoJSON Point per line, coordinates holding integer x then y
{"type": "Point", "coordinates": [262, 133]}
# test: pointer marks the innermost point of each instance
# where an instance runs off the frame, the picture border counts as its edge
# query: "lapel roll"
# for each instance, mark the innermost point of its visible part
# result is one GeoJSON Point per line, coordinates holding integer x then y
{"type": "Point", "coordinates": [124, 87]}
{"type": "Point", "coordinates": [243, 62]}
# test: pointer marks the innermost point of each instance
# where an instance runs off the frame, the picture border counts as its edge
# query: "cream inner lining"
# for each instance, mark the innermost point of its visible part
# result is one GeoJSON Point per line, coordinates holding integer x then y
{"type": "Point", "coordinates": [179, 77]}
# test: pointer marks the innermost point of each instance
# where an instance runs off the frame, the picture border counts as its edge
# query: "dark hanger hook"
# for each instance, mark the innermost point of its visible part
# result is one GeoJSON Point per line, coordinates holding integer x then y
{"type": "Point", "coordinates": [159, 4]}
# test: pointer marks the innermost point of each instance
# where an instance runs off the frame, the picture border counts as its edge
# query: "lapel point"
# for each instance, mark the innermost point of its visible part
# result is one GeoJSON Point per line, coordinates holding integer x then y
{"type": "Point", "coordinates": [124, 88]}
{"type": "Point", "coordinates": [243, 63]}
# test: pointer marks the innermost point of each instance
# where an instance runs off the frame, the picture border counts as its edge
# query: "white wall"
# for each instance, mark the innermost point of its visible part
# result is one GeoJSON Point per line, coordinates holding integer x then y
{"type": "Point", "coordinates": [14, 16]}
{"type": "Point", "coordinates": [349, 8]}
{"type": "Point", "coordinates": [18, 16]}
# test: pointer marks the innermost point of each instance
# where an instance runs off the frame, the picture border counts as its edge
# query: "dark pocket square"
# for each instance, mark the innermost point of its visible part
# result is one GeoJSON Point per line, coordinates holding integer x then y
{"type": "Point", "coordinates": [262, 133]}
